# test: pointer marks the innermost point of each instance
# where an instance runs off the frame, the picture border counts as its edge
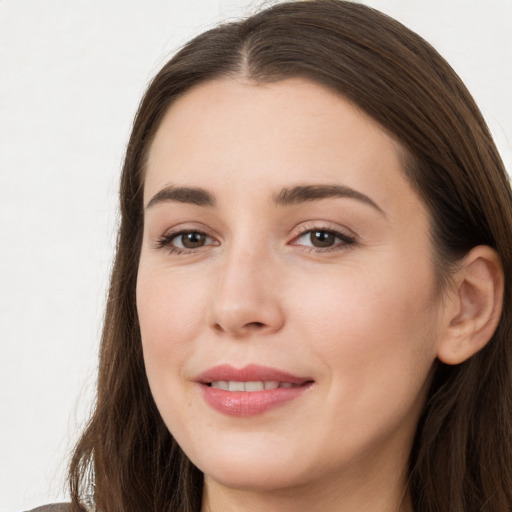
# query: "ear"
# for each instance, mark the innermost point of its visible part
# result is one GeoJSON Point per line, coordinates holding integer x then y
{"type": "Point", "coordinates": [475, 305]}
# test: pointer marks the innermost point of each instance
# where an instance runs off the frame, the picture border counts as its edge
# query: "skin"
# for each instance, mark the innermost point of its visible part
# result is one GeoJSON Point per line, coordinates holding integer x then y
{"type": "Point", "coordinates": [364, 319]}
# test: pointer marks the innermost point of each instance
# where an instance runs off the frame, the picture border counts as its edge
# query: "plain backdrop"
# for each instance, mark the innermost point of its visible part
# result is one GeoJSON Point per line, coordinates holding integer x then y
{"type": "Point", "coordinates": [71, 76]}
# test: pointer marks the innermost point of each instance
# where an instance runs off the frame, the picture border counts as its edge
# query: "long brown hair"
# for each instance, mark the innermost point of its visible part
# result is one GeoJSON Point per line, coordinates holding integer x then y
{"type": "Point", "coordinates": [462, 454]}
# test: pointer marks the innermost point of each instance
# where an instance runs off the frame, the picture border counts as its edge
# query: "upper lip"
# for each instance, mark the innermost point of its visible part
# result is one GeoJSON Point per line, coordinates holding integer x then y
{"type": "Point", "coordinates": [249, 373]}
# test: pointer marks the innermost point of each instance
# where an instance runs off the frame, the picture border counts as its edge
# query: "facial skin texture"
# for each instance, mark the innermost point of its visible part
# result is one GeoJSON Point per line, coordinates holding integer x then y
{"type": "Point", "coordinates": [362, 320]}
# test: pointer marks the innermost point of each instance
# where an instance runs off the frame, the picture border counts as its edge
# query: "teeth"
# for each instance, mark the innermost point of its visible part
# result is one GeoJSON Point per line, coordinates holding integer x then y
{"type": "Point", "coordinates": [236, 386]}
{"type": "Point", "coordinates": [253, 386]}
{"type": "Point", "coordinates": [250, 386]}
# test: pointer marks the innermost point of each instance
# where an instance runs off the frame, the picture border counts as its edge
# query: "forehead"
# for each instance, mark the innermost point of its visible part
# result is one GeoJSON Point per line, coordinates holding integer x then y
{"type": "Point", "coordinates": [292, 130]}
{"type": "Point", "coordinates": [238, 109]}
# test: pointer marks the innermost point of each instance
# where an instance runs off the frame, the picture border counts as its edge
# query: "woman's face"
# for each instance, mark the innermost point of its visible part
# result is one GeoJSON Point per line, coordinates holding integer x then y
{"type": "Point", "coordinates": [286, 292]}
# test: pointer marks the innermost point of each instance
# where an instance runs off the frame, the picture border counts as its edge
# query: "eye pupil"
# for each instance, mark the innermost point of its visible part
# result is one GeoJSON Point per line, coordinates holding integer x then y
{"type": "Point", "coordinates": [193, 240]}
{"type": "Point", "coordinates": [322, 238]}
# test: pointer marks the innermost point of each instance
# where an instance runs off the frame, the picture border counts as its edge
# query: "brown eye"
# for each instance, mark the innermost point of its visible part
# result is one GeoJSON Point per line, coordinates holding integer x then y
{"type": "Point", "coordinates": [322, 238]}
{"type": "Point", "coordinates": [191, 240]}
{"type": "Point", "coordinates": [183, 242]}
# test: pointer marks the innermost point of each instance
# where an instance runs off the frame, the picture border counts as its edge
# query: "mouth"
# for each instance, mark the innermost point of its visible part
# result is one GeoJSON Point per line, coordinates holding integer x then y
{"type": "Point", "coordinates": [251, 386]}
{"type": "Point", "coordinates": [250, 391]}
{"type": "Point", "coordinates": [252, 375]}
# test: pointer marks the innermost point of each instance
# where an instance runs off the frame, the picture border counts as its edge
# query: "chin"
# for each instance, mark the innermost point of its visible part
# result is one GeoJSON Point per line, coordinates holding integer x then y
{"type": "Point", "coordinates": [256, 479]}
{"type": "Point", "coordinates": [252, 470]}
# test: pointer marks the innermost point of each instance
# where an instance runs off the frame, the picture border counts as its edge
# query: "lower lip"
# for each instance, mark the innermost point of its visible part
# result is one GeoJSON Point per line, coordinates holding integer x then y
{"type": "Point", "coordinates": [249, 403]}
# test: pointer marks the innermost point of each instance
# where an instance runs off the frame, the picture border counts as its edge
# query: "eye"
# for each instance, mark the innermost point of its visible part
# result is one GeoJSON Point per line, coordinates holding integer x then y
{"type": "Point", "coordinates": [190, 240]}
{"type": "Point", "coordinates": [185, 241]}
{"type": "Point", "coordinates": [326, 239]}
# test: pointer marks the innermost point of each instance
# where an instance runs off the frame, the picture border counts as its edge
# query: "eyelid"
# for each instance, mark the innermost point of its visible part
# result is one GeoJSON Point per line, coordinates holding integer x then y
{"type": "Point", "coordinates": [347, 237]}
{"type": "Point", "coordinates": [322, 225]}
{"type": "Point", "coordinates": [165, 240]}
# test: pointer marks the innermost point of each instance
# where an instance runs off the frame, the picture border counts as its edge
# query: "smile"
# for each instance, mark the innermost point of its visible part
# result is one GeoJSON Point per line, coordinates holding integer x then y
{"type": "Point", "coordinates": [250, 391]}
{"type": "Point", "coordinates": [250, 386]}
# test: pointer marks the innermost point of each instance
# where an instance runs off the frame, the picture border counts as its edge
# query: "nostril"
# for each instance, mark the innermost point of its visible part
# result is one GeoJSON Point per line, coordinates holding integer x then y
{"type": "Point", "coordinates": [248, 327]}
{"type": "Point", "coordinates": [255, 325]}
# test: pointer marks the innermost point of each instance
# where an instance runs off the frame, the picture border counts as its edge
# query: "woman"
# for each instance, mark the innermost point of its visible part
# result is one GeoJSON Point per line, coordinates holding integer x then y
{"type": "Point", "coordinates": [310, 303]}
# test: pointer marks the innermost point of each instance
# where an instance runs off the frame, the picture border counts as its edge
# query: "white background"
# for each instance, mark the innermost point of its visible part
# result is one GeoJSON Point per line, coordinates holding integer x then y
{"type": "Point", "coordinates": [71, 76]}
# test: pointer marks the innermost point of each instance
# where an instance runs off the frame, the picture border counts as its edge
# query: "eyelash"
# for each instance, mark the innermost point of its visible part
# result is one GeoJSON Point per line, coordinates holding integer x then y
{"type": "Point", "coordinates": [345, 240]}
{"type": "Point", "coordinates": [166, 241]}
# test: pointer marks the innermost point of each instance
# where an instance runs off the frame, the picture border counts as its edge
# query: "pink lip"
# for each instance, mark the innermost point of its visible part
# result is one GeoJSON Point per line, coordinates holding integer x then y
{"type": "Point", "coordinates": [245, 403]}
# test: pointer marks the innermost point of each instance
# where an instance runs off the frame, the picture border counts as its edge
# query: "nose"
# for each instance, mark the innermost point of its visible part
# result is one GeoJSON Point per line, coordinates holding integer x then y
{"type": "Point", "coordinates": [247, 298]}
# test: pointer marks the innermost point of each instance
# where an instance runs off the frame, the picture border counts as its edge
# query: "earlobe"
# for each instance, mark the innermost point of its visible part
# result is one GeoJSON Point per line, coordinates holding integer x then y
{"type": "Point", "coordinates": [478, 301]}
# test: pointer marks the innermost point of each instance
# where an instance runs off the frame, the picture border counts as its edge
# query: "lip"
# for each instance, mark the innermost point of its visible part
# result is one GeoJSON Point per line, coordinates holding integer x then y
{"type": "Point", "coordinates": [249, 403]}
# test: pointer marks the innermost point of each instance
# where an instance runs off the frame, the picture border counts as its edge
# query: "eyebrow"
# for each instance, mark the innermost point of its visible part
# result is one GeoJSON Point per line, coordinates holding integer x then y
{"type": "Point", "coordinates": [286, 197]}
{"type": "Point", "coordinates": [302, 194]}
{"type": "Point", "coordinates": [190, 195]}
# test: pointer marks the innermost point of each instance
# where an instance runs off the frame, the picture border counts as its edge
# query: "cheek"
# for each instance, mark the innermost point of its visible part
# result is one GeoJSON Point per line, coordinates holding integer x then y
{"type": "Point", "coordinates": [171, 309]}
{"type": "Point", "coordinates": [372, 327]}
{"type": "Point", "coordinates": [375, 342]}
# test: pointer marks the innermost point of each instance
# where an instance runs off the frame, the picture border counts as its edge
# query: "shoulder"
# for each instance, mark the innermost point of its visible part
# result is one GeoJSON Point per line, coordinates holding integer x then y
{"type": "Point", "coordinates": [56, 507]}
